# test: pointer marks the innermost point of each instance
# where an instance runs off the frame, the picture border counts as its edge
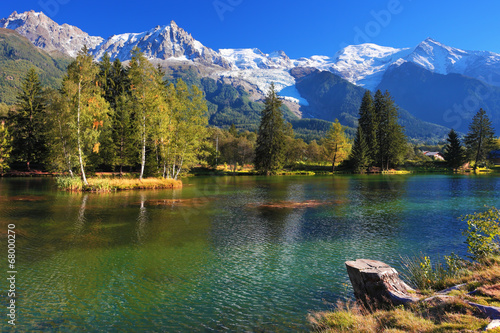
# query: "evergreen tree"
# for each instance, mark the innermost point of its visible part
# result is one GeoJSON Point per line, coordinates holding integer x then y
{"type": "Point", "coordinates": [89, 110]}
{"type": "Point", "coordinates": [27, 122]}
{"type": "Point", "coordinates": [336, 144]}
{"type": "Point", "coordinates": [271, 136]}
{"type": "Point", "coordinates": [360, 154]}
{"type": "Point", "coordinates": [454, 153]}
{"type": "Point", "coordinates": [5, 147]}
{"type": "Point", "coordinates": [368, 124]}
{"type": "Point", "coordinates": [480, 138]}
{"type": "Point", "coordinates": [391, 141]}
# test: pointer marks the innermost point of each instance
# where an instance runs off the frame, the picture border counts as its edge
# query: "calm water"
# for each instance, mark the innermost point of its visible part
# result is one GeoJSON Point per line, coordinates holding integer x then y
{"type": "Point", "coordinates": [214, 259]}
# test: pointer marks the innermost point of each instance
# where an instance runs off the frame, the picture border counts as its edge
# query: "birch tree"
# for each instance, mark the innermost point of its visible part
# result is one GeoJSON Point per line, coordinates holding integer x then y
{"type": "Point", "coordinates": [89, 109]}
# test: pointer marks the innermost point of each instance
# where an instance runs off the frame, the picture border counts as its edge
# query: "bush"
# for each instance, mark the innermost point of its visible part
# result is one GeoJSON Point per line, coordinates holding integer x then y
{"type": "Point", "coordinates": [483, 232]}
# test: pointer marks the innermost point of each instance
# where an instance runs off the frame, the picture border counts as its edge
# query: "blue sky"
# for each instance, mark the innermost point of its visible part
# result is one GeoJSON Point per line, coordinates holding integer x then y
{"type": "Point", "coordinates": [300, 28]}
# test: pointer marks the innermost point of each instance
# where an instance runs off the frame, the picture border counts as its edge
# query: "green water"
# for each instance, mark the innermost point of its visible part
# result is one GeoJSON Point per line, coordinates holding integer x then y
{"type": "Point", "coordinates": [216, 260]}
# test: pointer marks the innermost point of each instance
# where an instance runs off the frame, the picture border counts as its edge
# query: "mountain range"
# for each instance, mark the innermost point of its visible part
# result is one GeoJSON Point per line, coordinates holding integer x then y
{"type": "Point", "coordinates": [436, 86]}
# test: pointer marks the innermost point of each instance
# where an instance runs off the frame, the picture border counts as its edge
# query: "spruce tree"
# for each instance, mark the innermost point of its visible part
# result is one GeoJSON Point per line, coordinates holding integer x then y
{"type": "Point", "coordinates": [360, 154]}
{"type": "Point", "coordinates": [391, 140]}
{"type": "Point", "coordinates": [271, 135]}
{"type": "Point", "coordinates": [480, 138]}
{"type": "Point", "coordinates": [28, 124]}
{"type": "Point", "coordinates": [369, 123]}
{"type": "Point", "coordinates": [5, 147]}
{"type": "Point", "coordinates": [454, 153]}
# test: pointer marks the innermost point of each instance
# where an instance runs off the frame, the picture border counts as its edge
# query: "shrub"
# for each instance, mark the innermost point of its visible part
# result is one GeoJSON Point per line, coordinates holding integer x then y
{"type": "Point", "coordinates": [483, 232]}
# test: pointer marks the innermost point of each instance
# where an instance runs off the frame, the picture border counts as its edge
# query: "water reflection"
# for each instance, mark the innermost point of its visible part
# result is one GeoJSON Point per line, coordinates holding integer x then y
{"type": "Point", "coordinates": [215, 256]}
{"type": "Point", "coordinates": [80, 221]}
{"type": "Point", "coordinates": [142, 220]}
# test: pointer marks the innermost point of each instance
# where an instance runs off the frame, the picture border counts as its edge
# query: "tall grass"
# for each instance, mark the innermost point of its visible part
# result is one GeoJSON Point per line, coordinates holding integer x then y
{"type": "Point", "coordinates": [115, 184]}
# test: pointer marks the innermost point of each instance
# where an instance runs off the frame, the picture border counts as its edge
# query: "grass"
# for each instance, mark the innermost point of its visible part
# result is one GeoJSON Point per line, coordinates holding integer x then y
{"type": "Point", "coordinates": [106, 184]}
{"type": "Point", "coordinates": [452, 314]}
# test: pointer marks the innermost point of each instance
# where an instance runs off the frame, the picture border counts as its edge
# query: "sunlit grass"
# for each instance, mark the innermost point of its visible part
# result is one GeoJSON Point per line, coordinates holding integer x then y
{"type": "Point", "coordinates": [451, 314]}
{"type": "Point", "coordinates": [115, 184]}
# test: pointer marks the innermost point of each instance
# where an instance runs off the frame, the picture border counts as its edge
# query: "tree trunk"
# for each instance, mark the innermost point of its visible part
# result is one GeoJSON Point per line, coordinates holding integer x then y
{"type": "Point", "coordinates": [334, 158]}
{"type": "Point", "coordinates": [80, 154]}
{"type": "Point", "coordinates": [143, 159]}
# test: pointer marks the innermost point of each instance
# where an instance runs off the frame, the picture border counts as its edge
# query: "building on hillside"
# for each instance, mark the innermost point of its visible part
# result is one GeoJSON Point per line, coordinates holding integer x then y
{"type": "Point", "coordinates": [434, 154]}
{"type": "Point", "coordinates": [494, 156]}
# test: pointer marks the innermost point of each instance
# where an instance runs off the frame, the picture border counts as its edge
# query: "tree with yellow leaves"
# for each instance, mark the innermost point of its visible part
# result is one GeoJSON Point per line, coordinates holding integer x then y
{"type": "Point", "coordinates": [336, 144]}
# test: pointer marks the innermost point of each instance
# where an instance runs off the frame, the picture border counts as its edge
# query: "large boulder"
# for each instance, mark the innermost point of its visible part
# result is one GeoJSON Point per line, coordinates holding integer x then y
{"type": "Point", "coordinates": [375, 282]}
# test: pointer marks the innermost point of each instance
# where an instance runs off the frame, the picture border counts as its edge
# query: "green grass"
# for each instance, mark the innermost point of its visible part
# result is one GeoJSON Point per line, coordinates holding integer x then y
{"type": "Point", "coordinates": [115, 184]}
{"type": "Point", "coordinates": [453, 314]}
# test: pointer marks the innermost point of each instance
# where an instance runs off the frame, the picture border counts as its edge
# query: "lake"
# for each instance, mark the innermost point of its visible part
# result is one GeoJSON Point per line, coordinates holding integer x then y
{"type": "Point", "coordinates": [220, 254]}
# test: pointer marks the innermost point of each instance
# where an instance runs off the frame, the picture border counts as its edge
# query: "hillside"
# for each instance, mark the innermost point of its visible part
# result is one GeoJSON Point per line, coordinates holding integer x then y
{"type": "Point", "coordinates": [17, 55]}
{"type": "Point", "coordinates": [332, 97]}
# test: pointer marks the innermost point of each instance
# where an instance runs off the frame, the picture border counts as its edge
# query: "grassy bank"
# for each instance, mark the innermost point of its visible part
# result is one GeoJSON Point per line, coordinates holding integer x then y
{"type": "Point", "coordinates": [452, 296]}
{"type": "Point", "coordinates": [452, 313]}
{"type": "Point", "coordinates": [106, 184]}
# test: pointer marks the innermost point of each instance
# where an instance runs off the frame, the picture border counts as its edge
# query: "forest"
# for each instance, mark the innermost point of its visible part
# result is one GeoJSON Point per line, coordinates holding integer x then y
{"type": "Point", "coordinates": [107, 117]}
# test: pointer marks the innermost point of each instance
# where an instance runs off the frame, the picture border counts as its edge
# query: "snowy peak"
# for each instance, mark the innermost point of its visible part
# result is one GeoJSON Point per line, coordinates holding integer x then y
{"type": "Point", "coordinates": [46, 34]}
{"type": "Point", "coordinates": [162, 42]}
{"type": "Point", "coordinates": [254, 58]}
{"type": "Point", "coordinates": [365, 64]}
{"type": "Point", "coordinates": [438, 57]}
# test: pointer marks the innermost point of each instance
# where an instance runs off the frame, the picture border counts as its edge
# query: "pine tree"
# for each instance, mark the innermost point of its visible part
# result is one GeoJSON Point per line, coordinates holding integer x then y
{"type": "Point", "coordinates": [391, 140]}
{"type": "Point", "coordinates": [271, 136]}
{"type": "Point", "coordinates": [29, 144]}
{"type": "Point", "coordinates": [454, 153]}
{"type": "Point", "coordinates": [89, 110]}
{"type": "Point", "coordinates": [5, 147]}
{"type": "Point", "coordinates": [480, 138]}
{"type": "Point", "coordinates": [369, 123]}
{"type": "Point", "coordinates": [336, 144]}
{"type": "Point", "coordinates": [360, 154]}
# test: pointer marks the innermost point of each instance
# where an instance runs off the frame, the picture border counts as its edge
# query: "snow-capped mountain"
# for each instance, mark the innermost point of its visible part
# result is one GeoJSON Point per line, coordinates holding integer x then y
{"type": "Point", "coordinates": [442, 59]}
{"type": "Point", "coordinates": [363, 65]}
{"type": "Point", "coordinates": [163, 42]}
{"type": "Point", "coordinates": [47, 34]}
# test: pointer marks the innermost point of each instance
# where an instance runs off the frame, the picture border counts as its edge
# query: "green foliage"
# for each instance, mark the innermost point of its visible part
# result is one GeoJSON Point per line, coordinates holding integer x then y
{"type": "Point", "coordinates": [62, 156]}
{"type": "Point", "coordinates": [480, 138]}
{"type": "Point", "coordinates": [424, 275]}
{"type": "Point", "coordinates": [28, 122]}
{"type": "Point", "coordinates": [147, 101]}
{"type": "Point", "coordinates": [454, 153]}
{"type": "Point", "coordinates": [17, 56]}
{"type": "Point", "coordinates": [5, 147]}
{"type": "Point", "coordinates": [483, 233]}
{"type": "Point", "coordinates": [391, 141]}
{"type": "Point", "coordinates": [360, 154]}
{"type": "Point", "coordinates": [88, 110]}
{"type": "Point", "coordinates": [270, 140]}
{"type": "Point", "coordinates": [368, 123]}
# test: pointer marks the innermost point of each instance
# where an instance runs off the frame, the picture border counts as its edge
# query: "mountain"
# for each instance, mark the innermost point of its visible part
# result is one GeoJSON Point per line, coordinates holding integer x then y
{"type": "Point", "coordinates": [48, 35]}
{"type": "Point", "coordinates": [449, 100]}
{"type": "Point", "coordinates": [17, 56]}
{"type": "Point", "coordinates": [331, 96]}
{"type": "Point", "coordinates": [162, 43]}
